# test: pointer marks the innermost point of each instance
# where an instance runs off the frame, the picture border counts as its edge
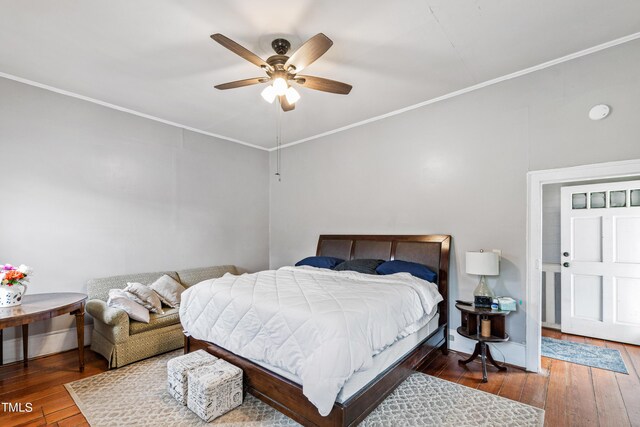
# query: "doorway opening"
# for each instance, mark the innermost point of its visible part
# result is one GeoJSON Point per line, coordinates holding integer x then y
{"type": "Point", "coordinates": [592, 206]}
{"type": "Point", "coordinates": [546, 258]}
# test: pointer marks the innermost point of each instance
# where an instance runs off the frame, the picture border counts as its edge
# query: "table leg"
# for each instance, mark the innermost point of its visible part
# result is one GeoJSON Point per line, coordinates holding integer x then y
{"type": "Point", "coordinates": [25, 344]}
{"type": "Point", "coordinates": [80, 330]}
{"type": "Point", "coordinates": [493, 362]}
{"type": "Point", "coordinates": [475, 354]}
{"type": "Point", "coordinates": [484, 361]}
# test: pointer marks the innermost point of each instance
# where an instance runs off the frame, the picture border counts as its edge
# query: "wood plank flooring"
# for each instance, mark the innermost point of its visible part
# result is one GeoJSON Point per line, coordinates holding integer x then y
{"type": "Point", "coordinates": [42, 385]}
{"type": "Point", "coordinates": [572, 395]}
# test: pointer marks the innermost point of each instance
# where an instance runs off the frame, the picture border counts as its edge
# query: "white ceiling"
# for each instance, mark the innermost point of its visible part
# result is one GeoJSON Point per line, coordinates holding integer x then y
{"type": "Point", "coordinates": [156, 57]}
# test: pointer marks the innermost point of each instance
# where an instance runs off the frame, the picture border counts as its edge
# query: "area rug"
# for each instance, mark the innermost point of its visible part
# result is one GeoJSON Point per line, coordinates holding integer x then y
{"type": "Point", "coordinates": [136, 395]}
{"type": "Point", "coordinates": [584, 354]}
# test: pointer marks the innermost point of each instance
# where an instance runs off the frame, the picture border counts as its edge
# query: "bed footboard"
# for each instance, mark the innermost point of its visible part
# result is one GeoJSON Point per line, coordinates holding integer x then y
{"type": "Point", "coordinates": [286, 396]}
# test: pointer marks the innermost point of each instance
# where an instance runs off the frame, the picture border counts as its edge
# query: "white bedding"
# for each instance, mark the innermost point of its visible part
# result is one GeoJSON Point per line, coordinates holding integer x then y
{"type": "Point", "coordinates": [319, 325]}
{"type": "Point", "coordinates": [381, 361]}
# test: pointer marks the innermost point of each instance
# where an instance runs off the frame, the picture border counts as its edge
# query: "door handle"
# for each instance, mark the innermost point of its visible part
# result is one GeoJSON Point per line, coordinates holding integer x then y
{"type": "Point", "coordinates": [565, 254]}
{"type": "Point", "coordinates": [565, 264]}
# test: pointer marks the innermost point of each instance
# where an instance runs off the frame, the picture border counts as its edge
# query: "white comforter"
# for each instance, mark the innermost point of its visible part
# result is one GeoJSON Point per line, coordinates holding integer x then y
{"type": "Point", "coordinates": [317, 324]}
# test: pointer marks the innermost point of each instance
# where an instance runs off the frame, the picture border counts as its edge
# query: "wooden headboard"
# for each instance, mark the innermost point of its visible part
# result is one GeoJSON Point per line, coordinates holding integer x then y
{"type": "Point", "coordinates": [431, 250]}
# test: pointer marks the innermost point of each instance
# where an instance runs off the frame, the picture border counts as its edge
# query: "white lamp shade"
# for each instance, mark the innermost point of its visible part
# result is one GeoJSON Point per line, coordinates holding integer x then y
{"type": "Point", "coordinates": [483, 263]}
{"type": "Point", "coordinates": [269, 94]}
{"type": "Point", "coordinates": [292, 95]}
{"type": "Point", "coordinates": [280, 85]}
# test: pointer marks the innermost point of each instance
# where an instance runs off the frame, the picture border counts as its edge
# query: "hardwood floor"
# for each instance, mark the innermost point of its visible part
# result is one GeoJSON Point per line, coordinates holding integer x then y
{"type": "Point", "coordinates": [572, 395]}
{"type": "Point", "coordinates": [42, 385]}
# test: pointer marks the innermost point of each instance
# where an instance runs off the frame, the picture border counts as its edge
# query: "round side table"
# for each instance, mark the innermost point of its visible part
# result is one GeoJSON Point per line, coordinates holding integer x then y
{"type": "Point", "coordinates": [470, 328]}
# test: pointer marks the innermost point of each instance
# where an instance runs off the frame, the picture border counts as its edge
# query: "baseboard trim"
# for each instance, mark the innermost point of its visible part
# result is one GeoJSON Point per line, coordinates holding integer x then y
{"type": "Point", "coordinates": [44, 344]}
{"type": "Point", "coordinates": [514, 352]}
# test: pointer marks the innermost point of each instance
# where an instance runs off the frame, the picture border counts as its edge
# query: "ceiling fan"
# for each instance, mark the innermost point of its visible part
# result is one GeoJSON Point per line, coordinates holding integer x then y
{"type": "Point", "coordinates": [282, 69]}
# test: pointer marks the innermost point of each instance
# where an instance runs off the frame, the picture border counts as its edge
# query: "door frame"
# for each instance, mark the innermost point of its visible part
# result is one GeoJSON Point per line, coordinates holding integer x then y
{"type": "Point", "coordinates": [533, 286]}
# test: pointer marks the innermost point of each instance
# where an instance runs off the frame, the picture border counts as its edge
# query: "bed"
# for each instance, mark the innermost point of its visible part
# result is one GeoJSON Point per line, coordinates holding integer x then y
{"type": "Point", "coordinates": [366, 388]}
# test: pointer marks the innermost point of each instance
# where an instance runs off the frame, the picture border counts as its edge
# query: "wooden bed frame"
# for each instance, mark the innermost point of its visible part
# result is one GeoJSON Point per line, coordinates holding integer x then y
{"type": "Point", "coordinates": [286, 396]}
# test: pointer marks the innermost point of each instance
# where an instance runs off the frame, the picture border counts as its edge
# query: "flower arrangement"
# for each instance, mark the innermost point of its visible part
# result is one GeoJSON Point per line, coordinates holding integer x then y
{"type": "Point", "coordinates": [10, 275]}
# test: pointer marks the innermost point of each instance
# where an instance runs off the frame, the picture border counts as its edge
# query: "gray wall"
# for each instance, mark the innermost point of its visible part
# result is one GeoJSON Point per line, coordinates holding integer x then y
{"type": "Point", "coordinates": [459, 166]}
{"type": "Point", "coordinates": [89, 192]}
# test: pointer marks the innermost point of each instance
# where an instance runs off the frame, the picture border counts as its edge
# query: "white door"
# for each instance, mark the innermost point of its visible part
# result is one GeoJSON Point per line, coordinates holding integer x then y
{"type": "Point", "coordinates": [601, 261]}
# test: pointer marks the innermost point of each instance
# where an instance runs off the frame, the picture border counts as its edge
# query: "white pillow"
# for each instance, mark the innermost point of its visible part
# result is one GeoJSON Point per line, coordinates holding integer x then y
{"type": "Point", "coordinates": [168, 289]}
{"type": "Point", "coordinates": [118, 299]}
{"type": "Point", "coordinates": [144, 295]}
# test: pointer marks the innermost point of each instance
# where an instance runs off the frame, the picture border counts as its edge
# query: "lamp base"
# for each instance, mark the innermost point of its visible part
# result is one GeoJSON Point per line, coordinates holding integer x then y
{"type": "Point", "coordinates": [482, 301]}
{"type": "Point", "coordinates": [483, 295]}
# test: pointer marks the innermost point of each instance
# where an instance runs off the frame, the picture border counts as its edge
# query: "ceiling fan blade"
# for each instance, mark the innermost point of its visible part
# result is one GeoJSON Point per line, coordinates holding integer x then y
{"type": "Point", "coordinates": [325, 85]}
{"type": "Point", "coordinates": [242, 83]}
{"type": "Point", "coordinates": [285, 104]}
{"type": "Point", "coordinates": [240, 50]}
{"type": "Point", "coordinates": [311, 50]}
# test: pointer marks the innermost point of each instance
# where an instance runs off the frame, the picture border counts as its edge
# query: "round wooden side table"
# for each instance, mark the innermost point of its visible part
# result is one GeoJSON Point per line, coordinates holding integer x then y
{"type": "Point", "coordinates": [470, 328]}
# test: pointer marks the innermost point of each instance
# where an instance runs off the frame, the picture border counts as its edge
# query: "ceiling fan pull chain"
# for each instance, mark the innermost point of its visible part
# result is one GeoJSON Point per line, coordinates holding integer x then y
{"type": "Point", "coordinates": [278, 137]}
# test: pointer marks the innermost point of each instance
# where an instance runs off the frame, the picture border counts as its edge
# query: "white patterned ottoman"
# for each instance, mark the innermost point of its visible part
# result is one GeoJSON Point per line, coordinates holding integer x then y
{"type": "Point", "coordinates": [177, 369]}
{"type": "Point", "coordinates": [214, 389]}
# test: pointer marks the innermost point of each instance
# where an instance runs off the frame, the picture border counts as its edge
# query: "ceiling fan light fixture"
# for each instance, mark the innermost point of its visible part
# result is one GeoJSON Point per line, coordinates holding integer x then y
{"type": "Point", "coordinates": [269, 94]}
{"type": "Point", "coordinates": [292, 95]}
{"type": "Point", "coordinates": [281, 68]}
{"type": "Point", "coordinates": [280, 85]}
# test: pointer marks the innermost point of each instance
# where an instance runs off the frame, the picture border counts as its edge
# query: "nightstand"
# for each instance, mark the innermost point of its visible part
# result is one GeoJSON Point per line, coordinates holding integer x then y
{"type": "Point", "coordinates": [470, 328]}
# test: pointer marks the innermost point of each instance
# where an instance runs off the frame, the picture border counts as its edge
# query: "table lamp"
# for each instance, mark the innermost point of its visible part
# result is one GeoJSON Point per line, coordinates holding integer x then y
{"type": "Point", "coordinates": [483, 264]}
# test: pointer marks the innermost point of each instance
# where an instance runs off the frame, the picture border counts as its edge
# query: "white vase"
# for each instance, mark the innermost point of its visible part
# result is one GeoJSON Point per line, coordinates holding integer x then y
{"type": "Point", "coordinates": [10, 296]}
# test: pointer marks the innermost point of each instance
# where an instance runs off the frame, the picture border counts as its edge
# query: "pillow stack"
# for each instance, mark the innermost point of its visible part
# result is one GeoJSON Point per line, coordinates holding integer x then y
{"type": "Point", "coordinates": [371, 266]}
{"type": "Point", "coordinates": [145, 296]}
{"type": "Point", "coordinates": [137, 300]}
{"type": "Point", "coordinates": [168, 290]}
{"type": "Point", "coordinates": [118, 299]}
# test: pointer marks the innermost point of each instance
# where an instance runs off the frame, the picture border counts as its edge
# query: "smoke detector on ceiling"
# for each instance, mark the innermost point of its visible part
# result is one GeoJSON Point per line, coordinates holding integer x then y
{"type": "Point", "coordinates": [599, 112]}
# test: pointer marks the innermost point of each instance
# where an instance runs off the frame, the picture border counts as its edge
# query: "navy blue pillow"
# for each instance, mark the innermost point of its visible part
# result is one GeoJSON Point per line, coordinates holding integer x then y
{"type": "Point", "coordinates": [418, 270]}
{"type": "Point", "coordinates": [320, 262]}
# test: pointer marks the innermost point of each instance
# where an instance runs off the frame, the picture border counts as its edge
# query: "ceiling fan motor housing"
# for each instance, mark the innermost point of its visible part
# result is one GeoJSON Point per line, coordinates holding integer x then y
{"type": "Point", "coordinates": [277, 61]}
